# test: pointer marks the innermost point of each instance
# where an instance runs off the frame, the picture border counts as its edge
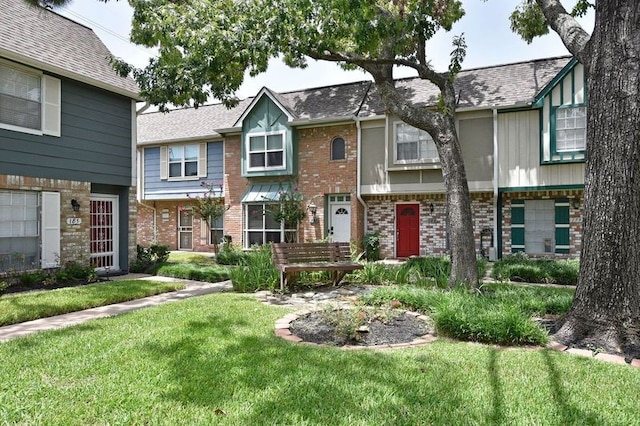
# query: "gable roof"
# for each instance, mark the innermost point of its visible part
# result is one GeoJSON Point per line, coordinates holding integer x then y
{"type": "Point", "coordinates": [41, 38]}
{"type": "Point", "coordinates": [187, 124]}
{"type": "Point", "coordinates": [499, 86]}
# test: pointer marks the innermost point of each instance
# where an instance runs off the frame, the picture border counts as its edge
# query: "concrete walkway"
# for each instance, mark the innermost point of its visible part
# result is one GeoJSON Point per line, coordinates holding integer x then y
{"type": "Point", "coordinates": [193, 288]}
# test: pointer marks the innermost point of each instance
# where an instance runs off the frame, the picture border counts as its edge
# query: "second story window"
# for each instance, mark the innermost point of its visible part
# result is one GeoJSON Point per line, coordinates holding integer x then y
{"type": "Point", "coordinates": [338, 151]}
{"type": "Point", "coordinates": [266, 151]}
{"type": "Point", "coordinates": [20, 98]}
{"type": "Point", "coordinates": [183, 161]}
{"type": "Point", "coordinates": [413, 145]}
{"type": "Point", "coordinates": [571, 129]}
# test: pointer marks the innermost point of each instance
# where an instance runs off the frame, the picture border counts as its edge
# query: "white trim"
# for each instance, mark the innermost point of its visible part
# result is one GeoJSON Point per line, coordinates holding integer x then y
{"type": "Point", "coordinates": [427, 161]}
{"type": "Point", "coordinates": [66, 73]}
{"type": "Point", "coordinates": [35, 73]}
{"type": "Point", "coordinates": [421, 188]}
{"type": "Point", "coordinates": [247, 138]}
{"type": "Point", "coordinates": [263, 92]}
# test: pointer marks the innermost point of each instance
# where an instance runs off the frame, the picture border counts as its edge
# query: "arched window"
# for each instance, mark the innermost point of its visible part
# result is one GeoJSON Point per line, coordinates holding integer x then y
{"type": "Point", "coordinates": [338, 149]}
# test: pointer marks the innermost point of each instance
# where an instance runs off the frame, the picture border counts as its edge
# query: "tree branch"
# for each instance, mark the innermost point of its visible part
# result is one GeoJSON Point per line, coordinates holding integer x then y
{"type": "Point", "coordinates": [574, 37]}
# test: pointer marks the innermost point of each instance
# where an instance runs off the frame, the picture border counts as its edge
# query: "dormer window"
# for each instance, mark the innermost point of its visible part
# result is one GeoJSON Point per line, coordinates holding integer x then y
{"type": "Point", "coordinates": [266, 150]}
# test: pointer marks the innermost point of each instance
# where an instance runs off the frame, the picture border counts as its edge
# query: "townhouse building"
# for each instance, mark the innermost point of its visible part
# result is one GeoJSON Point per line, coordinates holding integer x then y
{"type": "Point", "coordinates": [67, 145]}
{"type": "Point", "coordinates": [360, 170]}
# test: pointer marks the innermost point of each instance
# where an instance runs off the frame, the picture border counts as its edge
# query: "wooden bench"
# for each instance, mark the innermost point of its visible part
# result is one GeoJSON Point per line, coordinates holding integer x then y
{"type": "Point", "coordinates": [293, 258]}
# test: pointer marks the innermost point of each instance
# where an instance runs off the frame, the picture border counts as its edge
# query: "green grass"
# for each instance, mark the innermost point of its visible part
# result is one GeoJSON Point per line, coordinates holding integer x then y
{"type": "Point", "coordinates": [188, 257]}
{"type": "Point", "coordinates": [518, 267]}
{"type": "Point", "coordinates": [193, 271]}
{"type": "Point", "coordinates": [20, 307]}
{"type": "Point", "coordinates": [215, 360]}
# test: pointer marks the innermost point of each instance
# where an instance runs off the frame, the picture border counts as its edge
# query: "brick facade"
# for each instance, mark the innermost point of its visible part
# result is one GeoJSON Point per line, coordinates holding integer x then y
{"type": "Point", "coordinates": [575, 217]}
{"type": "Point", "coordinates": [433, 229]}
{"type": "Point", "coordinates": [74, 239]}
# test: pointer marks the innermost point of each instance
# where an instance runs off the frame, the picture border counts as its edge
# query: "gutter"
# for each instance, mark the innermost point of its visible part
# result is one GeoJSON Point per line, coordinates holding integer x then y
{"type": "Point", "coordinates": [496, 170]}
{"type": "Point", "coordinates": [359, 173]}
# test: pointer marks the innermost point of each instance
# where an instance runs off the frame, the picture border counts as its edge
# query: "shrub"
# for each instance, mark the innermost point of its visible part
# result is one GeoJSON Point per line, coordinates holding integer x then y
{"type": "Point", "coordinates": [518, 267]}
{"type": "Point", "coordinates": [255, 272]}
{"type": "Point", "coordinates": [149, 258]}
{"type": "Point", "coordinates": [500, 314]}
{"type": "Point", "coordinates": [371, 246]}
{"type": "Point", "coordinates": [190, 271]}
{"type": "Point", "coordinates": [230, 255]}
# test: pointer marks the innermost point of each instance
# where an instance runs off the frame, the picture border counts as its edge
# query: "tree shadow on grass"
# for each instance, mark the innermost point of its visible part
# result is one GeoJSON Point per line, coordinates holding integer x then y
{"type": "Point", "coordinates": [282, 382]}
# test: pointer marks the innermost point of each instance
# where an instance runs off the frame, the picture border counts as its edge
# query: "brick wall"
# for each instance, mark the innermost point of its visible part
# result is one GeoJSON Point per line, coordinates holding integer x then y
{"type": "Point", "coordinates": [317, 176]}
{"type": "Point", "coordinates": [433, 230]}
{"type": "Point", "coordinates": [575, 217]}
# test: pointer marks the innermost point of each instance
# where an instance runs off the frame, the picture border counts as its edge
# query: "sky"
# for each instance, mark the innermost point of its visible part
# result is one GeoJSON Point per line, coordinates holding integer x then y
{"type": "Point", "coordinates": [489, 39]}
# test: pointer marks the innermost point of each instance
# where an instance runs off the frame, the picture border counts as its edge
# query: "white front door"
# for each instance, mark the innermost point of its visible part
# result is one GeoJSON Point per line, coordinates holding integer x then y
{"type": "Point", "coordinates": [185, 229]}
{"type": "Point", "coordinates": [103, 227]}
{"type": "Point", "coordinates": [340, 218]}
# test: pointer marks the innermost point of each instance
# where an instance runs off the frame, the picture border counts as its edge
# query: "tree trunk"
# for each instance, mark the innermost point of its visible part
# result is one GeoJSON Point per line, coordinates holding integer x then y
{"type": "Point", "coordinates": [606, 309]}
{"type": "Point", "coordinates": [441, 127]}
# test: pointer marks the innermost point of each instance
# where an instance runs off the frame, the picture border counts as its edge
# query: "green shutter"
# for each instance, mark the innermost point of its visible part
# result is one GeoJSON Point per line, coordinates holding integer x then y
{"type": "Point", "coordinates": [517, 226]}
{"type": "Point", "coordinates": [562, 226]}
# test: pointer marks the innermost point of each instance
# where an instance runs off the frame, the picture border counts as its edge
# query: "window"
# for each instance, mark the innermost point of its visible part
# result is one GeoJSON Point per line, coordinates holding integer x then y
{"type": "Point", "coordinates": [338, 149]}
{"type": "Point", "coordinates": [19, 230]}
{"type": "Point", "coordinates": [571, 129]}
{"type": "Point", "coordinates": [266, 151]}
{"type": "Point", "coordinates": [216, 231]}
{"type": "Point", "coordinates": [262, 228]}
{"type": "Point", "coordinates": [183, 161]}
{"type": "Point", "coordinates": [20, 98]}
{"type": "Point", "coordinates": [540, 226]}
{"type": "Point", "coordinates": [413, 145]}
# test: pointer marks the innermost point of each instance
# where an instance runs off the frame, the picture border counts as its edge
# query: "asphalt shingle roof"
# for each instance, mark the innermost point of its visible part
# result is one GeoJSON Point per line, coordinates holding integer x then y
{"type": "Point", "coordinates": [188, 123]}
{"type": "Point", "coordinates": [499, 86]}
{"type": "Point", "coordinates": [41, 38]}
{"type": "Point", "coordinates": [496, 86]}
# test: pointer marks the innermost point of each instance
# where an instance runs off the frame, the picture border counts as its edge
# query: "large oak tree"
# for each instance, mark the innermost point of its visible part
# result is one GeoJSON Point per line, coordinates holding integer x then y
{"type": "Point", "coordinates": [206, 46]}
{"type": "Point", "coordinates": [606, 309]}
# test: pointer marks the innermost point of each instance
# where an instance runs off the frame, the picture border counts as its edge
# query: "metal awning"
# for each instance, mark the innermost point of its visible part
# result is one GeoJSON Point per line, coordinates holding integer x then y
{"type": "Point", "coordinates": [264, 192]}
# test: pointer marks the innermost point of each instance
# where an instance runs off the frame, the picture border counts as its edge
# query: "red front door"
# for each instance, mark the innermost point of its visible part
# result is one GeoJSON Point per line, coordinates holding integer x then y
{"type": "Point", "coordinates": [407, 230]}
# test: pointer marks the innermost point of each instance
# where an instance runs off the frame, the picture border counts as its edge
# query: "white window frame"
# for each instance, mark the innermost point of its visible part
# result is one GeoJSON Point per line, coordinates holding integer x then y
{"type": "Point", "coordinates": [265, 135]}
{"type": "Point", "coordinates": [49, 100]}
{"type": "Point", "coordinates": [265, 212]}
{"type": "Point", "coordinates": [566, 126]}
{"type": "Point", "coordinates": [201, 162]}
{"type": "Point", "coordinates": [423, 142]}
{"type": "Point", "coordinates": [26, 226]}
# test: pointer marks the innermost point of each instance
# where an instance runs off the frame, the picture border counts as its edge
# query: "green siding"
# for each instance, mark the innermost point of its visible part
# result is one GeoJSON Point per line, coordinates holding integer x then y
{"type": "Point", "coordinates": [94, 145]}
{"type": "Point", "coordinates": [517, 226]}
{"type": "Point", "coordinates": [266, 116]}
{"type": "Point", "coordinates": [562, 226]}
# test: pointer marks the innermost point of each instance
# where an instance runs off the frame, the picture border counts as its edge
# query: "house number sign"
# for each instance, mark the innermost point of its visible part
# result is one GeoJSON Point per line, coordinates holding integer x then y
{"type": "Point", "coordinates": [74, 220]}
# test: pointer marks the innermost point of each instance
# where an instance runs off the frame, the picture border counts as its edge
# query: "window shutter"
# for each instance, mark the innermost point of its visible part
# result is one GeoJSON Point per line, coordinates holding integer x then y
{"type": "Point", "coordinates": [164, 162]}
{"type": "Point", "coordinates": [51, 106]}
{"type": "Point", "coordinates": [50, 223]}
{"type": "Point", "coordinates": [562, 226]}
{"type": "Point", "coordinates": [517, 226]}
{"type": "Point", "coordinates": [202, 160]}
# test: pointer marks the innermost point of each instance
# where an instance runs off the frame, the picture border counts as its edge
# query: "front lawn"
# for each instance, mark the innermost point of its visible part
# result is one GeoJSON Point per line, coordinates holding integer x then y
{"type": "Point", "coordinates": [20, 307]}
{"type": "Point", "coordinates": [215, 360]}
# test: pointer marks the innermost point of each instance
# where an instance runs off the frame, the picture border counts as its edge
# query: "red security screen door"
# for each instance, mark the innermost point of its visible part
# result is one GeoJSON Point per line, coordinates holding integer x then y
{"type": "Point", "coordinates": [407, 230]}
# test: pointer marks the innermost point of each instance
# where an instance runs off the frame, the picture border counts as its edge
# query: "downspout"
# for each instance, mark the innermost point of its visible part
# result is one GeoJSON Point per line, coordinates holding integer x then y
{"type": "Point", "coordinates": [496, 169]}
{"type": "Point", "coordinates": [359, 172]}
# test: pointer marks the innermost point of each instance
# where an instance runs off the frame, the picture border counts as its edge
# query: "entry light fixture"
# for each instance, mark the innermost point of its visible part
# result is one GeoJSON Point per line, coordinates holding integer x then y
{"type": "Point", "coordinates": [75, 205]}
{"type": "Point", "coordinates": [312, 209]}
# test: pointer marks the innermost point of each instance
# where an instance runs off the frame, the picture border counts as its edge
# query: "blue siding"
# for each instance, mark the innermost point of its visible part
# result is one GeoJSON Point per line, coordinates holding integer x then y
{"type": "Point", "coordinates": [157, 189]}
{"type": "Point", "coordinates": [95, 144]}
